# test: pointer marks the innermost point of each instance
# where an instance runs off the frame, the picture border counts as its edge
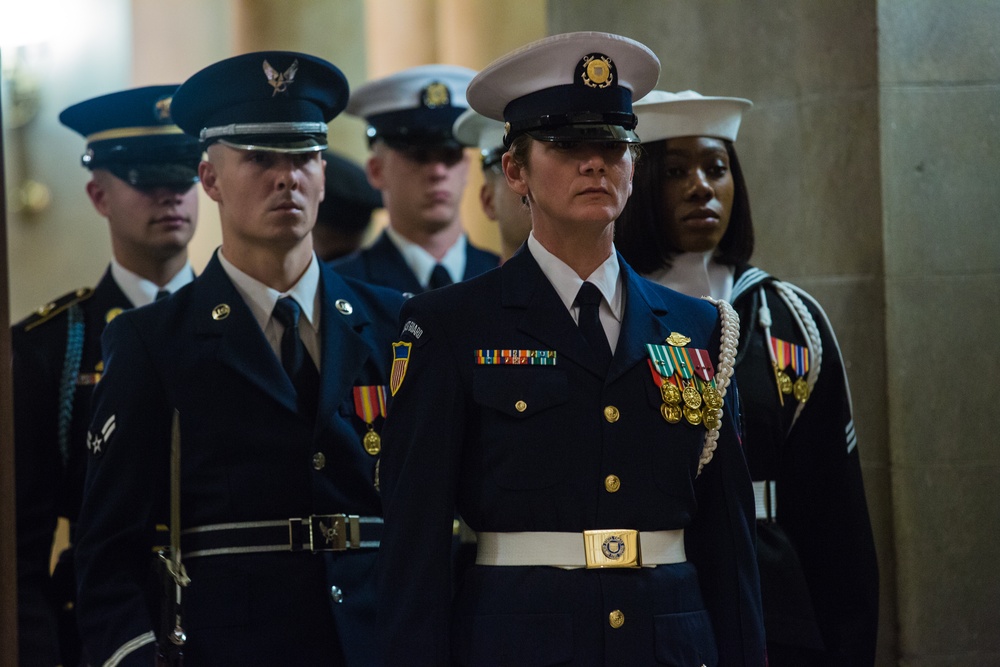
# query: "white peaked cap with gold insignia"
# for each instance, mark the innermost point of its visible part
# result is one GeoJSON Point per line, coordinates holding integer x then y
{"type": "Point", "coordinates": [664, 115]}
{"type": "Point", "coordinates": [477, 131]}
{"type": "Point", "coordinates": [576, 86]}
{"type": "Point", "coordinates": [416, 106]}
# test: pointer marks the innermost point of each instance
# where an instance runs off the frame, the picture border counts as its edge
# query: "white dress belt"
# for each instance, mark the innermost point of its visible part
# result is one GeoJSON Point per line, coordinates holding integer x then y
{"type": "Point", "coordinates": [765, 497]}
{"type": "Point", "coordinates": [591, 549]}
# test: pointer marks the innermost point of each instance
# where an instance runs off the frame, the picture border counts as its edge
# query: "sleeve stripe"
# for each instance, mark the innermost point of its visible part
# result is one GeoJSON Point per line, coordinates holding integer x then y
{"type": "Point", "coordinates": [852, 437]}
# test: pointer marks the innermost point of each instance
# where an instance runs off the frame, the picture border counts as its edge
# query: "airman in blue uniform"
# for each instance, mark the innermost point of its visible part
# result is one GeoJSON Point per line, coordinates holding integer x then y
{"type": "Point", "coordinates": [144, 170]}
{"type": "Point", "coordinates": [581, 419]}
{"type": "Point", "coordinates": [421, 170]}
{"type": "Point", "coordinates": [275, 368]}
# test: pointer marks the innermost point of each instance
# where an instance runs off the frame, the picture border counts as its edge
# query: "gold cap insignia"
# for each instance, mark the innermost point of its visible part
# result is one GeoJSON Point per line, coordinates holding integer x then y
{"type": "Point", "coordinates": [280, 82]}
{"type": "Point", "coordinates": [344, 306]}
{"type": "Point", "coordinates": [162, 108]}
{"type": "Point", "coordinates": [221, 311]}
{"type": "Point", "coordinates": [598, 71]}
{"type": "Point", "coordinates": [112, 314]}
{"type": "Point", "coordinates": [436, 95]}
{"type": "Point", "coordinates": [677, 339]}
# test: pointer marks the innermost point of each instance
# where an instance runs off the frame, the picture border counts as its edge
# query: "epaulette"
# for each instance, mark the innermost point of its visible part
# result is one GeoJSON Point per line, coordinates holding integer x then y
{"type": "Point", "coordinates": [48, 311]}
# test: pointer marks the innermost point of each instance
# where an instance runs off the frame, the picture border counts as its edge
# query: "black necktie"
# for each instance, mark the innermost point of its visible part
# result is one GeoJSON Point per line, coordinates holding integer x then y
{"type": "Point", "coordinates": [294, 358]}
{"type": "Point", "coordinates": [588, 299]}
{"type": "Point", "coordinates": [439, 277]}
{"type": "Point", "coordinates": [161, 294]}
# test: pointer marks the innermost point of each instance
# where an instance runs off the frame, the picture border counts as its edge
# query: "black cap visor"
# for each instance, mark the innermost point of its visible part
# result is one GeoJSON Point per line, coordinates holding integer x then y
{"type": "Point", "coordinates": [587, 132]}
{"type": "Point", "coordinates": [144, 176]}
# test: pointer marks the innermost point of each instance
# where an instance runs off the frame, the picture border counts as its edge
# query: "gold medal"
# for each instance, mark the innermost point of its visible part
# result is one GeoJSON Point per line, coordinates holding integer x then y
{"type": "Point", "coordinates": [671, 394]}
{"type": "Point", "coordinates": [671, 413]}
{"type": "Point", "coordinates": [693, 415]}
{"type": "Point", "coordinates": [712, 397]}
{"type": "Point", "coordinates": [692, 398]}
{"type": "Point", "coordinates": [784, 382]}
{"type": "Point", "coordinates": [801, 390]}
{"type": "Point", "coordinates": [372, 443]}
{"type": "Point", "coordinates": [710, 418]}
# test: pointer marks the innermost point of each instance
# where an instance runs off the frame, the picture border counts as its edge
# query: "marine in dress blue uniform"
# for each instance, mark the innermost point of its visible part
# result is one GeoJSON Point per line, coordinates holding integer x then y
{"type": "Point", "coordinates": [819, 573]}
{"type": "Point", "coordinates": [503, 409]}
{"type": "Point", "coordinates": [279, 513]}
{"type": "Point", "coordinates": [57, 358]}
{"type": "Point", "coordinates": [410, 116]}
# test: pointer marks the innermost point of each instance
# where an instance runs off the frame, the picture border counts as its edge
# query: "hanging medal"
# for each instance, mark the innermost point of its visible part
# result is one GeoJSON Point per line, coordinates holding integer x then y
{"type": "Point", "coordinates": [369, 403]}
{"type": "Point", "coordinates": [800, 363]}
{"type": "Point", "coordinates": [662, 367]}
{"type": "Point", "coordinates": [783, 356]}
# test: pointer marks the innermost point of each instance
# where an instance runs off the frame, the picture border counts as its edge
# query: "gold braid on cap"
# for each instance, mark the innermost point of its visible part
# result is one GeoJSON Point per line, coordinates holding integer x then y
{"type": "Point", "coordinates": [727, 359]}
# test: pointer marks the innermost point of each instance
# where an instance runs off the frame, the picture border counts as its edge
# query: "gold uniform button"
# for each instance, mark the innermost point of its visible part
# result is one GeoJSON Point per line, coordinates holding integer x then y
{"type": "Point", "coordinates": [612, 483]}
{"type": "Point", "coordinates": [319, 460]}
{"type": "Point", "coordinates": [616, 619]}
{"type": "Point", "coordinates": [520, 406]}
{"type": "Point", "coordinates": [611, 414]}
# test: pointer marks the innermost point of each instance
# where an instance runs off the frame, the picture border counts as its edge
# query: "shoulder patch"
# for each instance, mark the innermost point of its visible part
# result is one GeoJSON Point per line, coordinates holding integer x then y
{"type": "Point", "coordinates": [48, 311]}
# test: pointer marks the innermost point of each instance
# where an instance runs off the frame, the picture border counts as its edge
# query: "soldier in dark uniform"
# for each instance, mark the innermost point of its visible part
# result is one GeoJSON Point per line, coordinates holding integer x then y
{"type": "Point", "coordinates": [143, 175]}
{"type": "Point", "coordinates": [580, 418]}
{"type": "Point", "coordinates": [499, 202]}
{"type": "Point", "coordinates": [276, 369]}
{"type": "Point", "coordinates": [421, 170]}
{"type": "Point", "coordinates": [346, 211]}
{"type": "Point", "coordinates": [688, 227]}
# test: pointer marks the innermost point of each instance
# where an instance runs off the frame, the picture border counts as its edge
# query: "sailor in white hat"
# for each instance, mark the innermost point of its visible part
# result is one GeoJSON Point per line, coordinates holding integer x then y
{"type": "Point", "coordinates": [544, 401]}
{"type": "Point", "coordinates": [688, 227]}
{"type": "Point", "coordinates": [499, 202]}
{"type": "Point", "coordinates": [421, 170]}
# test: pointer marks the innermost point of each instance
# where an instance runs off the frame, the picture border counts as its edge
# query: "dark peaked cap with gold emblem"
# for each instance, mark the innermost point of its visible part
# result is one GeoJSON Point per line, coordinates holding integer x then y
{"type": "Point", "coordinates": [131, 134]}
{"type": "Point", "coordinates": [576, 86]}
{"type": "Point", "coordinates": [275, 101]}
{"type": "Point", "coordinates": [414, 107]}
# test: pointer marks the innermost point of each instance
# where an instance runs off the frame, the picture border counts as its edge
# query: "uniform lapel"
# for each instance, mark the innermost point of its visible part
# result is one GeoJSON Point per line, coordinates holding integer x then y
{"type": "Point", "coordinates": [224, 321]}
{"type": "Point", "coordinates": [344, 350]}
{"type": "Point", "coordinates": [643, 322]}
{"type": "Point", "coordinates": [545, 316]}
{"type": "Point", "coordinates": [390, 268]}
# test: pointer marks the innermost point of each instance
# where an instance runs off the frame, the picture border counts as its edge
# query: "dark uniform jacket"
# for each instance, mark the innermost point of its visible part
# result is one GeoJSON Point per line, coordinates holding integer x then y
{"type": "Point", "coordinates": [56, 363]}
{"type": "Point", "coordinates": [383, 264]}
{"type": "Point", "coordinates": [819, 573]}
{"type": "Point", "coordinates": [247, 454]}
{"type": "Point", "coordinates": [456, 436]}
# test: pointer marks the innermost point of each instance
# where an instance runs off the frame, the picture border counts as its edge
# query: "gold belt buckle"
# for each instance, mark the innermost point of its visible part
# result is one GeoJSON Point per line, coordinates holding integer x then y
{"type": "Point", "coordinates": [612, 548]}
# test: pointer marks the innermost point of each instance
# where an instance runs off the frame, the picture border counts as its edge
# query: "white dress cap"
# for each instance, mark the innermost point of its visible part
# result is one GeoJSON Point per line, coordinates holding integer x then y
{"type": "Point", "coordinates": [575, 86]}
{"type": "Point", "coordinates": [664, 115]}
{"type": "Point", "coordinates": [415, 106]}
{"type": "Point", "coordinates": [477, 131]}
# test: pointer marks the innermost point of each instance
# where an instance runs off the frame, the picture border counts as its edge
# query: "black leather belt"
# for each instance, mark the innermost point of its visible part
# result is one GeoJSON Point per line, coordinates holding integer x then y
{"type": "Point", "coordinates": [319, 532]}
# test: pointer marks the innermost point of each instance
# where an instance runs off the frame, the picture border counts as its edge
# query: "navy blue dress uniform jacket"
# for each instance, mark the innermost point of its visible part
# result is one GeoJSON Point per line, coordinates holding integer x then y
{"type": "Point", "coordinates": [819, 572]}
{"type": "Point", "coordinates": [383, 264]}
{"type": "Point", "coordinates": [247, 454]}
{"type": "Point", "coordinates": [51, 410]}
{"type": "Point", "coordinates": [455, 437]}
